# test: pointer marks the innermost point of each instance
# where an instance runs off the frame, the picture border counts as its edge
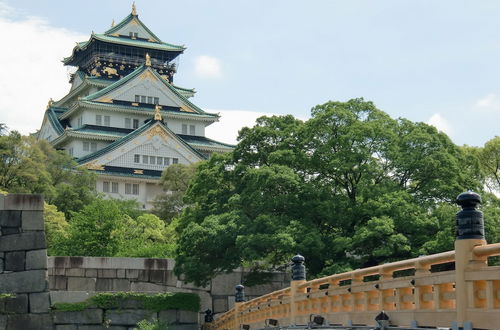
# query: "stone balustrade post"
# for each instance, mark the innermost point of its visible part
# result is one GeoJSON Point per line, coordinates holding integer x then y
{"type": "Point", "coordinates": [298, 278]}
{"type": "Point", "coordinates": [469, 233]}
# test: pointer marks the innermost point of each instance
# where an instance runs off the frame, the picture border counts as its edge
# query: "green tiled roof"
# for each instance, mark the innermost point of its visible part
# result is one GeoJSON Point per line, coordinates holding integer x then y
{"type": "Point", "coordinates": [134, 74]}
{"type": "Point", "coordinates": [54, 121]}
{"type": "Point", "coordinates": [129, 137]}
{"type": "Point", "coordinates": [204, 141]}
{"type": "Point", "coordinates": [125, 21]}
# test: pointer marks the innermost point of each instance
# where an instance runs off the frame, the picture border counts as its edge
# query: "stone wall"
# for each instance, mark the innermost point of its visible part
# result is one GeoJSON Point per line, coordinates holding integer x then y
{"type": "Point", "coordinates": [23, 264]}
{"type": "Point", "coordinates": [95, 274]}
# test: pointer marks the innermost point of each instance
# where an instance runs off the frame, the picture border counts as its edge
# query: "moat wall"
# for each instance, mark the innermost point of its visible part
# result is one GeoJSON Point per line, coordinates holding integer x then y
{"type": "Point", "coordinates": [97, 274]}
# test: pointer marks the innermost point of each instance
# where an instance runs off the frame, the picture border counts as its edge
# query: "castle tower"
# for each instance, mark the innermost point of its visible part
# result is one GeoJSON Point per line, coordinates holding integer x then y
{"type": "Point", "coordinates": [123, 117]}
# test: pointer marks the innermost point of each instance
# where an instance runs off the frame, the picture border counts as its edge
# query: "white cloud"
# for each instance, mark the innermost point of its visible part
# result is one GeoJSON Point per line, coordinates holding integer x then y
{"type": "Point", "coordinates": [207, 67]}
{"type": "Point", "coordinates": [441, 123]}
{"type": "Point", "coordinates": [487, 101]}
{"type": "Point", "coordinates": [231, 121]}
{"type": "Point", "coordinates": [32, 71]}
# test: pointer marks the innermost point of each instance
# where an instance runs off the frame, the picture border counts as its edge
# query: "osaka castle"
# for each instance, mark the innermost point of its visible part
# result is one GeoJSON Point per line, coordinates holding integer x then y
{"type": "Point", "coordinates": [124, 117]}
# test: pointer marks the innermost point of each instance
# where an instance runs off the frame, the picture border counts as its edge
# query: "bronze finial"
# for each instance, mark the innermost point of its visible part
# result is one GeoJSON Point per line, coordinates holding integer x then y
{"type": "Point", "coordinates": [50, 103]}
{"type": "Point", "coordinates": [134, 10]}
{"type": "Point", "coordinates": [157, 112]}
{"type": "Point", "coordinates": [148, 60]}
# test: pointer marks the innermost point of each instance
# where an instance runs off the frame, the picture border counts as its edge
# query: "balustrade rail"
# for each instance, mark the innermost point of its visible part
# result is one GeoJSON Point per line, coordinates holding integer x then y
{"type": "Point", "coordinates": [468, 296]}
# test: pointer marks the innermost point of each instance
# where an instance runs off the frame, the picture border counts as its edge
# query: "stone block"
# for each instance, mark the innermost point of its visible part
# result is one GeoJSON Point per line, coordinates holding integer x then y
{"type": "Point", "coordinates": [262, 289]}
{"type": "Point", "coordinates": [230, 302]}
{"type": "Point", "coordinates": [81, 284]}
{"type": "Point", "coordinates": [158, 276]}
{"type": "Point", "coordinates": [15, 261]}
{"type": "Point", "coordinates": [10, 218]}
{"type": "Point", "coordinates": [132, 273]}
{"type": "Point", "coordinates": [59, 271]}
{"type": "Point", "coordinates": [103, 327]}
{"type": "Point", "coordinates": [143, 275]}
{"type": "Point", "coordinates": [220, 304]}
{"type": "Point", "coordinates": [90, 272]}
{"type": "Point", "coordinates": [69, 296]}
{"type": "Point", "coordinates": [155, 264]}
{"type": "Point", "coordinates": [106, 273]}
{"type": "Point", "coordinates": [66, 327]}
{"type": "Point", "coordinates": [205, 300]}
{"type": "Point", "coordinates": [120, 273]}
{"type": "Point", "coordinates": [76, 272]}
{"type": "Point", "coordinates": [36, 259]}
{"type": "Point", "coordinates": [121, 285]}
{"type": "Point", "coordinates": [58, 282]}
{"type": "Point", "coordinates": [183, 327]}
{"type": "Point", "coordinates": [10, 230]}
{"type": "Point", "coordinates": [25, 241]}
{"type": "Point", "coordinates": [30, 321]}
{"type": "Point", "coordinates": [146, 287]}
{"type": "Point", "coordinates": [23, 202]}
{"type": "Point", "coordinates": [17, 304]}
{"type": "Point", "coordinates": [224, 284]}
{"type": "Point", "coordinates": [39, 302]}
{"type": "Point", "coordinates": [187, 317]}
{"type": "Point", "coordinates": [27, 281]}
{"type": "Point", "coordinates": [104, 284]}
{"type": "Point", "coordinates": [129, 316]}
{"type": "Point", "coordinates": [168, 316]}
{"type": "Point", "coordinates": [87, 316]}
{"type": "Point", "coordinates": [32, 220]}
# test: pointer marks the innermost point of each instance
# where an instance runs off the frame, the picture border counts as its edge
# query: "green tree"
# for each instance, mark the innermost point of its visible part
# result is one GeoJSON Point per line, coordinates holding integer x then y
{"type": "Point", "coordinates": [92, 231]}
{"type": "Point", "coordinates": [174, 182]}
{"type": "Point", "coordinates": [56, 229]}
{"type": "Point", "coordinates": [34, 166]}
{"type": "Point", "coordinates": [489, 157]}
{"type": "Point", "coordinates": [147, 237]}
{"type": "Point", "coordinates": [348, 188]}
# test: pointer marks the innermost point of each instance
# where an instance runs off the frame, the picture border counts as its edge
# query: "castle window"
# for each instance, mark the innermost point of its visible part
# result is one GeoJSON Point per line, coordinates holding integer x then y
{"type": "Point", "coordinates": [184, 128]}
{"type": "Point", "coordinates": [93, 146]}
{"type": "Point", "coordinates": [166, 161]}
{"type": "Point", "coordinates": [175, 160]}
{"type": "Point", "coordinates": [127, 123]}
{"type": "Point", "coordinates": [145, 159]}
{"type": "Point", "coordinates": [157, 100]}
{"type": "Point", "coordinates": [105, 186]}
{"type": "Point", "coordinates": [114, 187]}
{"type": "Point", "coordinates": [135, 189]}
{"type": "Point", "coordinates": [135, 123]}
{"type": "Point", "coordinates": [152, 160]}
{"type": "Point", "coordinates": [137, 159]}
{"type": "Point", "coordinates": [85, 146]}
{"type": "Point", "coordinates": [143, 99]}
{"type": "Point", "coordinates": [159, 160]}
{"type": "Point", "coordinates": [107, 121]}
{"type": "Point", "coordinates": [192, 129]}
{"type": "Point", "coordinates": [128, 188]}
{"type": "Point", "coordinates": [150, 99]}
{"type": "Point", "coordinates": [98, 120]}
{"type": "Point", "coordinates": [70, 151]}
{"type": "Point", "coordinates": [133, 35]}
{"type": "Point", "coordinates": [137, 98]}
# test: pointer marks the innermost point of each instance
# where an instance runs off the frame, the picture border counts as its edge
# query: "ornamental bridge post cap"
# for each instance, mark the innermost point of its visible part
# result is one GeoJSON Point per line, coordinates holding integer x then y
{"type": "Point", "coordinates": [239, 296]}
{"type": "Point", "coordinates": [468, 199]}
{"type": "Point", "coordinates": [298, 268]}
{"type": "Point", "coordinates": [298, 259]}
{"type": "Point", "coordinates": [469, 220]}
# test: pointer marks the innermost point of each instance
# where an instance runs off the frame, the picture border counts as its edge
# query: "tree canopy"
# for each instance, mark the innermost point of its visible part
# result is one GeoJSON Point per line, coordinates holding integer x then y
{"type": "Point", "coordinates": [350, 187]}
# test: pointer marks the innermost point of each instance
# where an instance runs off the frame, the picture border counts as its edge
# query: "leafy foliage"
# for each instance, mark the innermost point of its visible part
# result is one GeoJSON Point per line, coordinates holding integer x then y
{"type": "Point", "coordinates": [348, 188]}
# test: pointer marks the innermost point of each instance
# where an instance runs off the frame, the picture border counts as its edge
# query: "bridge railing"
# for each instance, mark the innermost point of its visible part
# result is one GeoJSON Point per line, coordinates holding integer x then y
{"type": "Point", "coordinates": [468, 296]}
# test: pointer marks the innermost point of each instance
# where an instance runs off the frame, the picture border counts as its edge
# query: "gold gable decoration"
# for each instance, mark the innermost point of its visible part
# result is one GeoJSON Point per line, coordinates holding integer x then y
{"type": "Point", "coordinates": [138, 171]}
{"type": "Point", "coordinates": [156, 131]}
{"type": "Point", "coordinates": [50, 103]}
{"type": "Point", "coordinates": [157, 112]}
{"type": "Point", "coordinates": [148, 60]}
{"type": "Point", "coordinates": [94, 166]}
{"type": "Point", "coordinates": [186, 109]}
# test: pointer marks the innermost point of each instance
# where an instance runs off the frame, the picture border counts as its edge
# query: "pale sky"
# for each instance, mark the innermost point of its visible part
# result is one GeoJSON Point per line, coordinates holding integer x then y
{"type": "Point", "coordinates": [425, 60]}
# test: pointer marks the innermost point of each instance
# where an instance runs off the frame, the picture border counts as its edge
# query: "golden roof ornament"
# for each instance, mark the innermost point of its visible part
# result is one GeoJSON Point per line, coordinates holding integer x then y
{"type": "Point", "coordinates": [113, 23]}
{"type": "Point", "coordinates": [134, 10]}
{"type": "Point", "coordinates": [148, 60]}
{"type": "Point", "coordinates": [50, 103]}
{"type": "Point", "coordinates": [157, 112]}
